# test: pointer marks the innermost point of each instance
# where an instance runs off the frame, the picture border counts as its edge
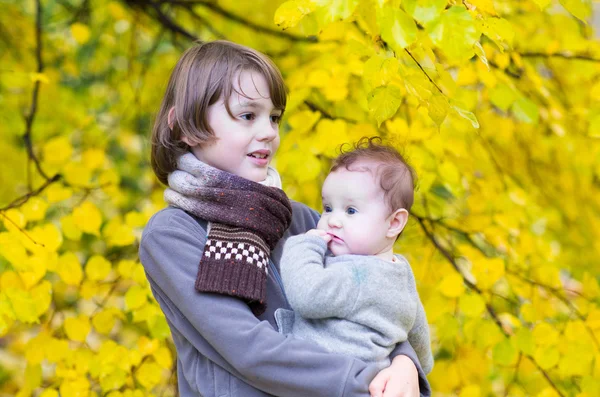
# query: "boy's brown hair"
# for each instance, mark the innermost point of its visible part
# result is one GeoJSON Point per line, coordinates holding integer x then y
{"type": "Point", "coordinates": [204, 74]}
{"type": "Point", "coordinates": [396, 177]}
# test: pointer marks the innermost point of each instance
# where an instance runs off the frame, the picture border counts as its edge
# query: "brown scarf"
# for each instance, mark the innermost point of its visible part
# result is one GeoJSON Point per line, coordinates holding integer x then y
{"type": "Point", "coordinates": [246, 219]}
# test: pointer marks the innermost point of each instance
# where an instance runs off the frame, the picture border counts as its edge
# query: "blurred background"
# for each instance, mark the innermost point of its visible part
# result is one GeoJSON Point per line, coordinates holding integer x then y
{"type": "Point", "coordinates": [496, 103]}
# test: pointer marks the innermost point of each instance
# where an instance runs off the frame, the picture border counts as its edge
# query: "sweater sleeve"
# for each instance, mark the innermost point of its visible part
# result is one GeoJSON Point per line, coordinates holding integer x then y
{"type": "Point", "coordinates": [237, 340]}
{"type": "Point", "coordinates": [315, 291]}
{"type": "Point", "coordinates": [420, 341]}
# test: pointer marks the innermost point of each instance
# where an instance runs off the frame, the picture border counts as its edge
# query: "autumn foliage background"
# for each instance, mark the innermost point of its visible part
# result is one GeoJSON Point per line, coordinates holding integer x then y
{"type": "Point", "coordinates": [495, 102]}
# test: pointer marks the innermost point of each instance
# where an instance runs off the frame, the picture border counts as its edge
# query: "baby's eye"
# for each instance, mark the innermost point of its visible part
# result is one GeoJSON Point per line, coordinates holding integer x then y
{"type": "Point", "coordinates": [247, 116]}
{"type": "Point", "coordinates": [327, 208]}
{"type": "Point", "coordinates": [275, 118]}
{"type": "Point", "coordinates": [351, 211]}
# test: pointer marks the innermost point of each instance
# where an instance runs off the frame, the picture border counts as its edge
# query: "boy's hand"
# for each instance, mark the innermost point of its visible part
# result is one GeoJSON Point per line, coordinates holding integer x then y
{"type": "Point", "coordinates": [320, 233]}
{"type": "Point", "coordinates": [400, 379]}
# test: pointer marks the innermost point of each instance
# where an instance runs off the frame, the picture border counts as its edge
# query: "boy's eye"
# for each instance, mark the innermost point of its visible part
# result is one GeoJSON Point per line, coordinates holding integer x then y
{"type": "Point", "coordinates": [327, 208]}
{"type": "Point", "coordinates": [351, 211]}
{"type": "Point", "coordinates": [275, 118]}
{"type": "Point", "coordinates": [247, 116]}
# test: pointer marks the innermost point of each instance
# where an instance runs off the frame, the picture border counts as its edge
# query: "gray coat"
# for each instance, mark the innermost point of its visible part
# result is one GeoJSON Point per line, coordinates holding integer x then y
{"type": "Point", "coordinates": [358, 305]}
{"type": "Point", "coordinates": [223, 350]}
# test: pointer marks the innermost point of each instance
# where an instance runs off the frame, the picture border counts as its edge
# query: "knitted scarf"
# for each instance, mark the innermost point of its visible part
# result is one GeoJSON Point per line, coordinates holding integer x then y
{"type": "Point", "coordinates": [247, 219]}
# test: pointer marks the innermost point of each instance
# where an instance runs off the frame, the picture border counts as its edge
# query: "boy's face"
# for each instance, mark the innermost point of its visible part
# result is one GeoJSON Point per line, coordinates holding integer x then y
{"type": "Point", "coordinates": [246, 143]}
{"type": "Point", "coordinates": [355, 213]}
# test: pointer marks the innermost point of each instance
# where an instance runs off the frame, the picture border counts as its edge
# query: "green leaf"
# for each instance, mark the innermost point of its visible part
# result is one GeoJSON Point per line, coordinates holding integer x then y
{"type": "Point", "coordinates": [526, 111]}
{"type": "Point", "coordinates": [424, 11]}
{"type": "Point", "coordinates": [455, 32]}
{"type": "Point", "coordinates": [581, 9]}
{"type": "Point", "coordinates": [467, 115]}
{"type": "Point", "coordinates": [398, 29]}
{"type": "Point", "coordinates": [384, 102]}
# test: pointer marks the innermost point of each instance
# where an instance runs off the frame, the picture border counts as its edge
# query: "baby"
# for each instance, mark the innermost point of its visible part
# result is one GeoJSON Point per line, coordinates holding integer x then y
{"type": "Point", "coordinates": [359, 298]}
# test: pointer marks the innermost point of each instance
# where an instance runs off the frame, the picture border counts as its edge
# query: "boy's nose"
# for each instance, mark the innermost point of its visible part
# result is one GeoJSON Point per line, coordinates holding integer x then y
{"type": "Point", "coordinates": [267, 132]}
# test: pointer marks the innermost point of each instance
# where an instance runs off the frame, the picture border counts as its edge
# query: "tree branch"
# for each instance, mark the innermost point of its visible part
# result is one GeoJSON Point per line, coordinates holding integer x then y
{"type": "Point", "coordinates": [579, 57]}
{"type": "Point", "coordinates": [30, 117]}
{"type": "Point", "coordinates": [214, 7]}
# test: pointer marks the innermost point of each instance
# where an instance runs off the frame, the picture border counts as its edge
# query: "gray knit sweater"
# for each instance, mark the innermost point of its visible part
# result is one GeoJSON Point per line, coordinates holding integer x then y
{"type": "Point", "coordinates": [353, 304]}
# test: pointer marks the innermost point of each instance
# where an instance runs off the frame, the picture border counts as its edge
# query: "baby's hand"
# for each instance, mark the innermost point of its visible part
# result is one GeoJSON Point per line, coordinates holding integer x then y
{"type": "Point", "coordinates": [320, 233]}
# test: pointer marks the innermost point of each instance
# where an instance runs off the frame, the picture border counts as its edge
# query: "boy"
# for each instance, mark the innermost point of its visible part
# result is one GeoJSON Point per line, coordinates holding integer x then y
{"type": "Point", "coordinates": [360, 300]}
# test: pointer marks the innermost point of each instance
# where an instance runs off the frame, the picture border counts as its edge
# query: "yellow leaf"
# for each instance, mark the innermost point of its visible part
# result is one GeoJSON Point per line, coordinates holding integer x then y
{"type": "Point", "coordinates": [452, 285]}
{"type": "Point", "coordinates": [47, 237]}
{"type": "Point", "coordinates": [12, 249]}
{"type": "Point", "coordinates": [69, 269]}
{"type": "Point", "coordinates": [57, 192]}
{"type": "Point", "coordinates": [77, 328]}
{"type": "Point", "coordinates": [23, 305]}
{"type": "Point", "coordinates": [76, 174]}
{"type": "Point", "coordinates": [104, 321]}
{"type": "Point", "coordinates": [125, 268]}
{"type": "Point", "coordinates": [384, 102]}
{"type": "Point", "coordinates": [34, 209]}
{"type": "Point", "coordinates": [113, 380]}
{"type": "Point", "coordinates": [163, 357]}
{"type": "Point", "coordinates": [290, 13]}
{"type": "Point", "coordinates": [42, 297]}
{"type": "Point", "coordinates": [49, 393]}
{"type": "Point", "coordinates": [135, 219]}
{"type": "Point", "coordinates": [471, 305]}
{"type": "Point", "coordinates": [135, 297]}
{"type": "Point", "coordinates": [33, 375]}
{"type": "Point", "coordinates": [87, 218]}
{"type": "Point", "coordinates": [148, 374]}
{"type": "Point", "coordinates": [79, 387]}
{"type": "Point", "coordinates": [582, 9]}
{"type": "Point", "coordinates": [80, 32]}
{"type": "Point", "coordinates": [147, 346]}
{"type": "Point", "coordinates": [97, 268]}
{"type": "Point", "coordinates": [545, 335]}
{"type": "Point", "coordinates": [93, 158]}
{"type": "Point", "coordinates": [117, 233]}
{"type": "Point", "coordinates": [484, 5]}
{"type": "Point", "coordinates": [546, 357]}
{"type": "Point", "coordinates": [14, 219]}
{"type": "Point", "coordinates": [57, 151]}
{"type": "Point", "coordinates": [69, 229]}
{"type": "Point", "coordinates": [470, 391]}
{"type": "Point", "coordinates": [488, 271]}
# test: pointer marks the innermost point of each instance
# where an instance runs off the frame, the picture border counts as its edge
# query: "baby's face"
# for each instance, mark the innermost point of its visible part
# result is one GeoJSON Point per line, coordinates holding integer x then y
{"type": "Point", "coordinates": [355, 213]}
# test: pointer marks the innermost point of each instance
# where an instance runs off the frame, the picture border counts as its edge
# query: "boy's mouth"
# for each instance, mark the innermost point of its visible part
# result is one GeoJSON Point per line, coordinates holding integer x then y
{"type": "Point", "coordinates": [260, 154]}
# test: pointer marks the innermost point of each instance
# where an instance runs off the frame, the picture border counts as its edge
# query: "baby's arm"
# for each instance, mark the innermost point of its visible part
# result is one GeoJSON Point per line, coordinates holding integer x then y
{"type": "Point", "coordinates": [313, 290]}
{"type": "Point", "coordinates": [419, 338]}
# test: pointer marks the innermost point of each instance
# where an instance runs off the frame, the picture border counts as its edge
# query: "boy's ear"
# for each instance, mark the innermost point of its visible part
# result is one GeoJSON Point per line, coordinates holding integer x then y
{"type": "Point", "coordinates": [397, 220]}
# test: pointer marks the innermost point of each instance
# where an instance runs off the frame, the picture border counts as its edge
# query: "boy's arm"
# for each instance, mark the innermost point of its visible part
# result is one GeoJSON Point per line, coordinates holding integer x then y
{"type": "Point", "coordinates": [313, 290]}
{"type": "Point", "coordinates": [224, 330]}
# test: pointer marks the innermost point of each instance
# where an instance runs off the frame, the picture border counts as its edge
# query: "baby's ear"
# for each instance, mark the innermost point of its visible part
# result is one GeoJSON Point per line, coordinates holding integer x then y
{"type": "Point", "coordinates": [397, 221]}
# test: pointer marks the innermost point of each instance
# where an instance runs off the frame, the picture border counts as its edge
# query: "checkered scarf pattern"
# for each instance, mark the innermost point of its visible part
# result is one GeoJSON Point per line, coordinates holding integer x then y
{"type": "Point", "coordinates": [246, 220]}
